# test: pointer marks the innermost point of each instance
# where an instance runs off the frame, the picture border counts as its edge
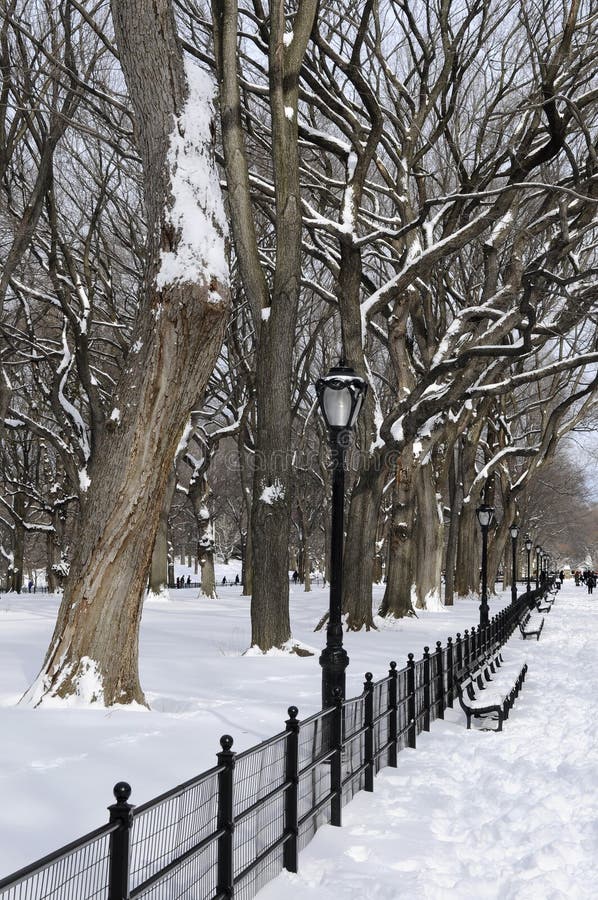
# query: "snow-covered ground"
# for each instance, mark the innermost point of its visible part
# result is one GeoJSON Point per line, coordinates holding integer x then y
{"type": "Point", "coordinates": [466, 815]}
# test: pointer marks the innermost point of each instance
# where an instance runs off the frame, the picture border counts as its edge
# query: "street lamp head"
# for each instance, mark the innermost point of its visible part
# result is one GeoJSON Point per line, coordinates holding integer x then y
{"type": "Point", "coordinates": [484, 514]}
{"type": "Point", "coordinates": [340, 394]}
{"type": "Point", "coordinates": [514, 531]}
{"type": "Point", "coordinates": [538, 549]}
{"type": "Point", "coordinates": [528, 543]}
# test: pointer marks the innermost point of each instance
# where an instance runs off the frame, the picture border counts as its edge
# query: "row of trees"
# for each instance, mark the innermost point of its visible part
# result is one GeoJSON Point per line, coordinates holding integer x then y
{"type": "Point", "coordinates": [412, 185]}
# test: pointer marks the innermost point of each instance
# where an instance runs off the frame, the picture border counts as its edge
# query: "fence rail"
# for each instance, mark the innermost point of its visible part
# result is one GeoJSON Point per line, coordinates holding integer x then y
{"type": "Point", "coordinates": [230, 830]}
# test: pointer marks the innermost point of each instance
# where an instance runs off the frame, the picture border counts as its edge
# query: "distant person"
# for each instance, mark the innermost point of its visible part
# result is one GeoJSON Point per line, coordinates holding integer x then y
{"type": "Point", "coordinates": [224, 580]}
{"type": "Point", "coordinates": [188, 581]}
{"type": "Point", "coordinates": [590, 582]}
{"type": "Point", "coordinates": [237, 579]}
{"type": "Point", "coordinates": [295, 577]}
{"type": "Point", "coordinates": [30, 586]}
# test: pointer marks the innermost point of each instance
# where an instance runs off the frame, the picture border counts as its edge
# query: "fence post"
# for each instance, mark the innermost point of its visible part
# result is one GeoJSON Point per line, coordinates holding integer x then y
{"type": "Point", "coordinates": [412, 732]}
{"type": "Point", "coordinates": [122, 813]}
{"type": "Point", "coordinates": [467, 654]}
{"type": "Point", "coordinates": [450, 672]}
{"type": "Point", "coordinates": [426, 688]}
{"type": "Point", "coordinates": [336, 762]}
{"type": "Point", "coordinates": [226, 869]}
{"type": "Point", "coordinates": [393, 725]}
{"type": "Point", "coordinates": [368, 738]}
{"type": "Point", "coordinates": [291, 799]}
{"type": "Point", "coordinates": [439, 682]}
{"type": "Point", "coordinates": [459, 652]}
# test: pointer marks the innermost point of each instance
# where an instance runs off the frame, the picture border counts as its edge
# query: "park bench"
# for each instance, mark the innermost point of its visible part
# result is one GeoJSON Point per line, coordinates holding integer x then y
{"type": "Point", "coordinates": [483, 690]}
{"type": "Point", "coordinates": [544, 605]}
{"type": "Point", "coordinates": [530, 629]}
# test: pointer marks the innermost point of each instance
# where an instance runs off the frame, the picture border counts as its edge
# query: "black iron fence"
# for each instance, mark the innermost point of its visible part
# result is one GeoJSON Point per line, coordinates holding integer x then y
{"type": "Point", "coordinates": [232, 829]}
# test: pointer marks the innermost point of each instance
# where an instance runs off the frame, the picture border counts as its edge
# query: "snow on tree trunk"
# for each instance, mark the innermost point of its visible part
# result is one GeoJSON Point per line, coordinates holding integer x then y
{"type": "Point", "coordinates": [93, 654]}
{"type": "Point", "coordinates": [430, 539]}
{"type": "Point", "coordinates": [205, 553]}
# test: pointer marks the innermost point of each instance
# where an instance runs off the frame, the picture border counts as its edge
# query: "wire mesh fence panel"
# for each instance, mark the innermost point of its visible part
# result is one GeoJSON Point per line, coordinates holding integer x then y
{"type": "Point", "coordinates": [435, 687]}
{"type": "Point", "coordinates": [402, 709]}
{"type": "Point", "coordinates": [76, 873]}
{"type": "Point", "coordinates": [167, 829]}
{"type": "Point", "coordinates": [316, 741]}
{"type": "Point", "coordinates": [271, 865]}
{"type": "Point", "coordinates": [353, 756]}
{"type": "Point", "coordinates": [195, 877]}
{"type": "Point", "coordinates": [259, 820]}
{"type": "Point", "coordinates": [381, 718]}
{"type": "Point", "coordinates": [419, 695]}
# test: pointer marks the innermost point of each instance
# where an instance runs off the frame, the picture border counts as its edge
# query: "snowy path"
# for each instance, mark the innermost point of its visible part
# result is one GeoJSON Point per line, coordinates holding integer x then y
{"type": "Point", "coordinates": [477, 815]}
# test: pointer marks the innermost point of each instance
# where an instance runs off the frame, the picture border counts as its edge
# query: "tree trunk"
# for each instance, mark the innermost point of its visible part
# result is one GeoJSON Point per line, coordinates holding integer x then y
{"type": "Point", "coordinates": [158, 577]}
{"type": "Point", "coordinates": [397, 596]}
{"type": "Point", "coordinates": [430, 540]}
{"type": "Point", "coordinates": [205, 552]}
{"type": "Point", "coordinates": [18, 543]}
{"type": "Point", "coordinates": [177, 338]}
{"type": "Point", "coordinates": [453, 531]}
{"type": "Point", "coordinates": [271, 511]}
{"type": "Point", "coordinates": [306, 565]}
{"type": "Point", "coordinates": [360, 546]}
{"type": "Point", "coordinates": [467, 575]}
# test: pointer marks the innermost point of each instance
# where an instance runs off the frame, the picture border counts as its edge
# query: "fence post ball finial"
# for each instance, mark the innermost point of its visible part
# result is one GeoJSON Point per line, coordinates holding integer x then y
{"type": "Point", "coordinates": [122, 791]}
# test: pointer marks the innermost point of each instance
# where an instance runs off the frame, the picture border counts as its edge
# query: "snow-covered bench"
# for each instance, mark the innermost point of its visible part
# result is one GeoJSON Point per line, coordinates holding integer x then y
{"type": "Point", "coordinates": [545, 604]}
{"type": "Point", "coordinates": [490, 687]}
{"type": "Point", "coordinates": [529, 628]}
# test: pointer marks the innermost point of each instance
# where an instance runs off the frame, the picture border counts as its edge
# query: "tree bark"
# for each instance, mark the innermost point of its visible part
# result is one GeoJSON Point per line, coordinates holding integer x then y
{"type": "Point", "coordinates": [178, 334]}
{"type": "Point", "coordinates": [397, 596]}
{"type": "Point", "coordinates": [430, 539]}
{"type": "Point", "coordinates": [158, 577]}
{"type": "Point", "coordinates": [454, 501]}
{"type": "Point", "coordinates": [360, 547]}
{"type": "Point", "coordinates": [271, 507]}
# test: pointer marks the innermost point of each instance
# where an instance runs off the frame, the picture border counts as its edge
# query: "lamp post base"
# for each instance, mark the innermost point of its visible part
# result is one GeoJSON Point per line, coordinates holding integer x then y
{"type": "Point", "coordinates": [334, 661]}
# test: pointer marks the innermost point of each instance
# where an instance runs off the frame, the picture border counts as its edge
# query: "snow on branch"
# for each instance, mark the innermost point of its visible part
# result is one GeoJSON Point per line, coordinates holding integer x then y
{"type": "Point", "coordinates": [502, 387]}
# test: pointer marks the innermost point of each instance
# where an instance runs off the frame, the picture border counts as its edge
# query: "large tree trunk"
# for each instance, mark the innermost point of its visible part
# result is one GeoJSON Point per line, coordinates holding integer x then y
{"type": "Point", "coordinates": [454, 501]}
{"type": "Point", "coordinates": [179, 332]}
{"type": "Point", "coordinates": [205, 544]}
{"type": "Point", "coordinates": [467, 573]}
{"type": "Point", "coordinates": [271, 511]}
{"type": "Point", "coordinates": [274, 311]}
{"type": "Point", "coordinates": [397, 600]}
{"type": "Point", "coordinates": [18, 543]}
{"type": "Point", "coordinates": [158, 577]}
{"type": "Point", "coordinates": [430, 539]}
{"type": "Point", "coordinates": [360, 546]}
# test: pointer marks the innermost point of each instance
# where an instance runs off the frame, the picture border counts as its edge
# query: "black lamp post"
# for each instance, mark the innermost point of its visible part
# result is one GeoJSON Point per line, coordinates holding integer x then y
{"type": "Point", "coordinates": [340, 394]}
{"type": "Point", "coordinates": [484, 514]}
{"type": "Point", "coordinates": [528, 546]}
{"type": "Point", "coordinates": [538, 552]}
{"type": "Point", "coordinates": [514, 534]}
